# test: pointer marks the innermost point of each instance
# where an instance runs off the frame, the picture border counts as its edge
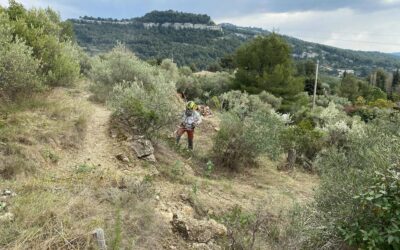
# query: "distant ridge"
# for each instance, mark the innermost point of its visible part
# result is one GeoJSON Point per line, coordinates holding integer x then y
{"type": "Point", "coordinates": [396, 53]}
{"type": "Point", "coordinates": [195, 40]}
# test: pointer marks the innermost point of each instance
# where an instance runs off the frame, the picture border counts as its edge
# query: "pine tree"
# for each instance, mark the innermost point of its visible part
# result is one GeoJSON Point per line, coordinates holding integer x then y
{"type": "Point", "coordinates": [381, 79]}
{"type": "Point", "coordinates": [396, 81]}
{"type": "Point", "coordinates": [265, 64]}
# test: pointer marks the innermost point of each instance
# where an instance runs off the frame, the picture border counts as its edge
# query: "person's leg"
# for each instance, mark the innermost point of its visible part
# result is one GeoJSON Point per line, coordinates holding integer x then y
{"type": "Point", "coordinates": [179, 133]}
{"type": "Point", "coordinates": [190, 138]}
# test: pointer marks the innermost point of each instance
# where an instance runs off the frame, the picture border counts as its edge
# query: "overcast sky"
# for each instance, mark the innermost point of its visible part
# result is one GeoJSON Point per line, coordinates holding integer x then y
{"type": "Point", "coordinates": [354, 24]}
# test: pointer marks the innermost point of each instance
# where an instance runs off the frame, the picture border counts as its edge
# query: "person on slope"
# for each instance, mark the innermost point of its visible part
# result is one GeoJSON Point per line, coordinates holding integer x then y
{"type": "Point", "coordinates": [190, 119]}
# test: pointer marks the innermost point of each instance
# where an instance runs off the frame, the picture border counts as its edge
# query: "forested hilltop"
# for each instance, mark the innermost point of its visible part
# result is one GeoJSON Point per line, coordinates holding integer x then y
{"type": "Point", "coordinates": [154, 36]}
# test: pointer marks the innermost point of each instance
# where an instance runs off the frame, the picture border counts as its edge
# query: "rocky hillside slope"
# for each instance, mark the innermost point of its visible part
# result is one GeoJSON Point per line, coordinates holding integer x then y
{"type": "Point", "coordinates": [90, 175]}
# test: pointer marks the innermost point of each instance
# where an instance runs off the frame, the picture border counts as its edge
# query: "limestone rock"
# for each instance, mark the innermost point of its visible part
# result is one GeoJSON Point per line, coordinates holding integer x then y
{"type": "Point", "coordinates": [150, 158]}
{"type": "Point", "coordinates": [7, 217]}
{"type": "Point", "coordinates": [200, 231]}
{"type": "Point", "coordinates": [203, 246]}
{"type": "Point", "coordinates": [143, 148]}
{"type": "Point", "coordinates": [122, 157]}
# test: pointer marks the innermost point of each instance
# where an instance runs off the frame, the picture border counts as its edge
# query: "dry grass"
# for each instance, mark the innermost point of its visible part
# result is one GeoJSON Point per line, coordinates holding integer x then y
{"type": "Point", "coordinates": [254, 189]}
{"type": "Point", "coordinates": [62, 195]}
{"type": "Point", "coordinates": [47, 123]}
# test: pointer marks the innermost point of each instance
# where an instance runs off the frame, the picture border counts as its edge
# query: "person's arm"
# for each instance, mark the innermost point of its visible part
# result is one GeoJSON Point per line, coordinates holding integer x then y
{"type": "Point", "coordinates": [183, 118]}
{"type": "Point", "coordinates": [198, 119]}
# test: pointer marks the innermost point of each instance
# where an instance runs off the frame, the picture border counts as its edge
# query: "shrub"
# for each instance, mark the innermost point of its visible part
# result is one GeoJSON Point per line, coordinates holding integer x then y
{"type": "Point", "coordinates": [205, 86]}
{"type": "Point", "coordinates": [117, 66]}
{"type": "Point", "coordinates": [365, 113]}
{"type": "Point", "coordinates": [189, 87]}
{"type": "Point", "coordinates": [241, 140]}
{"type": "Point", "coordinates": [50, 40]}
{"type": "Point", "coordinates": [215, 84]}
{"type": "Point", "coordinates": [348, 199]}
{"type": "Point", "coordinates": [303, 143]}
{"type": "Point", "coordinates": [245, 229]}
{"type": "Point", "coordinates": [376, 222]}
{"type": "Point", "coordinates": [18, 70]}
{"type": "Point", "coordinates": [148, 111]}
{"type": "Point", "coordinates": [274, 101]}
{"type": "Point", "coordinates": [242, 104]}
{"type": "Point", "coordinates": [324, 101]}
{"type": "Point", "coordinates": [65, 66]}
{"type": "Point", "coordinates": [381, 103]}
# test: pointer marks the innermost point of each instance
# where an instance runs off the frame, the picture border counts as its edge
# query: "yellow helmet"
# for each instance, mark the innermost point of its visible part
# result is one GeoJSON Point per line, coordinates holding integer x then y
{"type": "Point", "coordinates": [191, 105]}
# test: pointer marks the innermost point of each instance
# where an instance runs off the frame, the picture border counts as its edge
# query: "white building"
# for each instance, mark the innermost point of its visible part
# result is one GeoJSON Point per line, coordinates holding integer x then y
{"type": "Point", "coordinates": [347, 71]}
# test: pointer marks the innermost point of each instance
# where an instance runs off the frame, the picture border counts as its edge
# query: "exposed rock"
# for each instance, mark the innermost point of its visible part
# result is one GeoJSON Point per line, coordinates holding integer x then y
{"type": "Point", "coordinates": [7, 192]}
{"type": "Point", "coordinates": [122, 157]}
{"type": "Point", "coordinates": [188, 170]}
{"type": "Point", "coordinates": [203, 246]}
{"type": "Point", "coordinates": [7, 217]}
{"type": "Point", "coordinates": [150, 158]}
{"type": "Point", "coordinates": [200, 231]}
{"type": "Point", "coordinates": [143, 148]}
{"type": "Point", "coordinates": [153, 171]}
{"type": "Point", "coordinates": [204, 110]}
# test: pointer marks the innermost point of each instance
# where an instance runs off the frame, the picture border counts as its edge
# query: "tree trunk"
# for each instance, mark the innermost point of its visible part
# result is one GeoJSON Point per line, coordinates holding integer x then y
{"type": "Point", "coordinates": [291, 158]}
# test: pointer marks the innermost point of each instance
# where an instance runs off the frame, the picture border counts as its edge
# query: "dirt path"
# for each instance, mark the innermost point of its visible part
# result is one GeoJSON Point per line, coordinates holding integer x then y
{"type": "Point", "coordinates": [97, 147]}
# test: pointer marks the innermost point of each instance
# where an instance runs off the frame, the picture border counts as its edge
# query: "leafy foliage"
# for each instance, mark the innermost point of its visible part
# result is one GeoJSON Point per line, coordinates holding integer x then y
{"type": "Point", "coordinates": [203, 87]}
{"type": "Point", "coordinates": [171, 16]}
{"type": "Point", "coordinates": [18, 68]}
{"type": "Point", "coordinates": [241, 140]}
{"type": "Point", "coordinates": [143, 96]}
{"type": "Point", "coordinates": [265, 64]}
{"type": "Point", "coordinates": [349, 180]}
{"type": "Point", "coordinates": [305, 140]}
{"type": "Point", "coordinates": [377, 213]}
{"type": "Point", "coordinates": [351, 88]}
{"type": "Point", "coordinates": [243, 227]}
{"type": "Point", "coordinates": [50, 40]}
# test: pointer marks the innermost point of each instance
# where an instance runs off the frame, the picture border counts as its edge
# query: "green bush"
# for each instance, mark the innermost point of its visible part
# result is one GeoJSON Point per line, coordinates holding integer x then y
{"type": "Point", "coordinates": [245, 229]}
{"type": "Point", "coordinates": [65, 67]}
{"type": "Point", "coordinates": [377, 220]}
{"type": "Point", "coordinates": [274, 101]}
{"type": "Point", "coordinates": [203, 87]}
{"type": "Point", "coordinates": [305, 141]}
{"type": "Point", "coordinates": [18, 69]}
{"type": "Point", "coordinates": [241, 140]}
{"type": "Point", "coordinates": [148, 111]}
{"type": "Point", "coordinates": [242, 104]}
{"type": "Point", "coordinates": [348, 198]}
{"type": "Point", "coordinates": [117, 66]}
{"type": "Point", "coordinates": [49, 38]}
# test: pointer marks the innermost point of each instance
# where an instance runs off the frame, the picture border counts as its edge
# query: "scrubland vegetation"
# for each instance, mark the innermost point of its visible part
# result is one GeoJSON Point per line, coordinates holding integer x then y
{"type": "Point", "coordinates": [256, 162]}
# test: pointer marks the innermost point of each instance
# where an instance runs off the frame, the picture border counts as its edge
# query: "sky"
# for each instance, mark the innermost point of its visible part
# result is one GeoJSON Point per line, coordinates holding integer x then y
{"type": "Point", "coordinates": [372, 25]}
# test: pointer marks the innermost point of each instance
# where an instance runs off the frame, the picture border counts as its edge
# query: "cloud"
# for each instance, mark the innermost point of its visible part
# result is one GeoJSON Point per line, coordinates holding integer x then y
{"type": "Point", "coordinates": [345, 27]}
{"type": "Point", "coordinates": [66, 8]}
{"type": "Point", "coordinates": [217, 9]}
{"type": "Point", "coordinates": [355, 24]}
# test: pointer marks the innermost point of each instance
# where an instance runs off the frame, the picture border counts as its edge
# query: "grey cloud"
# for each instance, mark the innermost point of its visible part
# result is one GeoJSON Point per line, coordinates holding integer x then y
{"type": "Point", "coordinates": [217, 9]}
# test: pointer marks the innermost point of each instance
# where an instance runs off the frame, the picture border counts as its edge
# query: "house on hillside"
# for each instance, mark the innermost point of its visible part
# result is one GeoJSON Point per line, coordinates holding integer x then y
{"type": "Point", "coordinates": [150, 25]}
{"type": "Point", "coordinates": [347, 71]}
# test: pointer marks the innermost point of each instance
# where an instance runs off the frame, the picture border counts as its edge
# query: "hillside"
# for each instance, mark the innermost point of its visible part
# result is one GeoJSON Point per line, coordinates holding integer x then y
{"type": "Point", "coordinates": [192, 39]}
{"type": "Point", "coordinates": [114, 152]}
